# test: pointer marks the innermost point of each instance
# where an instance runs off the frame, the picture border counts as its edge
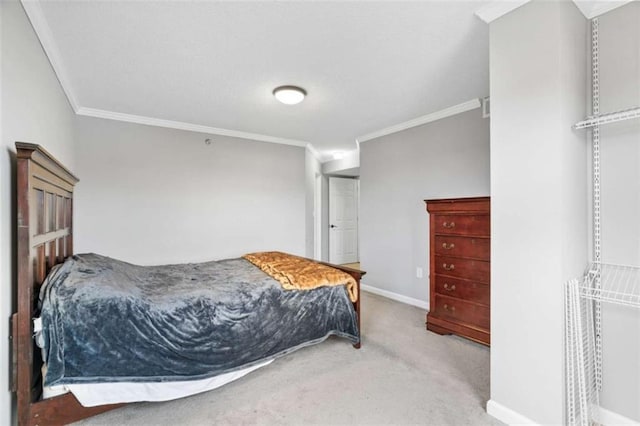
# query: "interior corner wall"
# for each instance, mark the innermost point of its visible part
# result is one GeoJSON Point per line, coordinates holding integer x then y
{"type": "Point", "coordinates": [151, 195]}
{"type": "Point", "coordinates": [539, 188]}
{"type": "Point", "coordinates": [33, 108]}
{"type": "Point", "coordinates": [448, 158]}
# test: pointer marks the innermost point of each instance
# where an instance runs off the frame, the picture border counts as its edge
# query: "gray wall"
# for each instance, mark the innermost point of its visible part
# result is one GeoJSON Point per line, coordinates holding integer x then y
{"type": "Point", "coordinates": [152, 195]}
{"type": "Point", "coordinates": [539, 200]}
{"type": "Point", "coordinates": [619, 46]}
{"type": "Point", "coordinates": [443, 159]}
{"type": "Point", "coordinates": [33, 109]}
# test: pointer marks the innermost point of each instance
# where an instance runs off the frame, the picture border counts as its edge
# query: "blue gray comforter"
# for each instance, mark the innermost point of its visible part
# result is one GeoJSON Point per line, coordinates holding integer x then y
{"type": "Point", "coordinates": [107, 321]}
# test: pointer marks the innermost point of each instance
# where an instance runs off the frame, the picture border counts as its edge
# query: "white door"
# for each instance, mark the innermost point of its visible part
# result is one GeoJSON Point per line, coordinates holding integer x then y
{"type": "Point", "coordinates": [343, 220]}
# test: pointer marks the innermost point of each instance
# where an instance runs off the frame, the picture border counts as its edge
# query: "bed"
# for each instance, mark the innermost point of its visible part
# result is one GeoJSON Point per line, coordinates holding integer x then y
{"type": "Point", "coordinates": [45, 245]}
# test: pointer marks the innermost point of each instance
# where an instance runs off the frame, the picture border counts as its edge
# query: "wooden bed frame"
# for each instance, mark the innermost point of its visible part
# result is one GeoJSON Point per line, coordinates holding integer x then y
{"type": "Point", "coordinates": [45, 239]}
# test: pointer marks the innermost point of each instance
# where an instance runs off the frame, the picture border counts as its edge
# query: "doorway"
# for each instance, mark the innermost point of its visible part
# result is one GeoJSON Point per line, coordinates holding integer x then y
{"type": "Point", "coordinates": [343, 220]}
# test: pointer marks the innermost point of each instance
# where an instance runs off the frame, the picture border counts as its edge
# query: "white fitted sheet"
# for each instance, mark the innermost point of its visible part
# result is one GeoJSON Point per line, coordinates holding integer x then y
{"type": "Point", "coordinates": [90, 395]}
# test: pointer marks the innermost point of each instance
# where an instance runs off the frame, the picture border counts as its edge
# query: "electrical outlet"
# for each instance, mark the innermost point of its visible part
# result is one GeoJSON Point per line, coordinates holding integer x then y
{"type": "Point", "coordinates": [418, 272]}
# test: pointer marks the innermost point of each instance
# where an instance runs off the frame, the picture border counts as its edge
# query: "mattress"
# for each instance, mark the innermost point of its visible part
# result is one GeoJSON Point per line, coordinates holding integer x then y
{"type": "Point", "coordinates": [110, 322]}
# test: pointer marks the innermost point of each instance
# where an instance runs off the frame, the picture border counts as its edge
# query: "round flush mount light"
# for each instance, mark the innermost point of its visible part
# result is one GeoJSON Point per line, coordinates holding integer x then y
{"type": "Point", "coordinates": [289, 95]}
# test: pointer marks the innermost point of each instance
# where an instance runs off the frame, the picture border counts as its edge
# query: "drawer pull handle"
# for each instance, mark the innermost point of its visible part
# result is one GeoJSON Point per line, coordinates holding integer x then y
{"type": "Point", "coordinates": [449, 225]}
{"type": "Point", "coordinates": [449, 267]}
{"type": "Point", "coordinates": [448, 246]}
{"type": "Point", "coordinates": [449, 308]}
{"type": "Point", "coordinates": [449, 288]}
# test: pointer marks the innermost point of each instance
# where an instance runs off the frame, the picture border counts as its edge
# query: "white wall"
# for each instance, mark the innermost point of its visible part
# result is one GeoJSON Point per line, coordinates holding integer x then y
{"type": "Point", "coordinates": [324, 218]}
{"type": "Point", "coordinates": [151, 195]}
{"type": "Point", "coordinates": [346, 166]}
{"type": "Point", "coordinates": [539, 201]}
{"type": "Point", "coordinates": [33, 109]}
{"type": "Point", "coordinates": [443, 159]}
{"type": "Point", "coordinates": [619, 47]}
{"type": "Point", "coordinates": [313, 167]}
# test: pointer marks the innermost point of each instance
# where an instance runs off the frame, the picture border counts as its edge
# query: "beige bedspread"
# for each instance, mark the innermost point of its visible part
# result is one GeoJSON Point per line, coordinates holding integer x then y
{"type": "Point", "coordinates": [298, 273]}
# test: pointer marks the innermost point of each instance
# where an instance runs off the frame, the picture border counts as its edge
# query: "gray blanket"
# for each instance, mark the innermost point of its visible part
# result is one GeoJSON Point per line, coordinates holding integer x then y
{"type": "Point", "coordinates": [107, 321]}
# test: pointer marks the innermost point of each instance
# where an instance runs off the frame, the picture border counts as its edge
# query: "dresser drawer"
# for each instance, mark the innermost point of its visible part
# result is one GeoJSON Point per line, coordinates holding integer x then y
{"type": "Point", "coordinates": [457, 310]}
{"type": "Point", "coordinates": [449, 245]}
{"type": "Point", "coordinates": [475, 270]}
{"type": "Point", "coordinates": [463, 289]}
{"type": "Point", "coordinates": [462, 224]}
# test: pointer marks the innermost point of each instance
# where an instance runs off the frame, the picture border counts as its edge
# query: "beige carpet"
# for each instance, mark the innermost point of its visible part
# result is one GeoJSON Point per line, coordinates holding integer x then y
{"type": "Point", "coordinates": [352, 265]}
{"type": "Point", "coordinates": [402, 375]}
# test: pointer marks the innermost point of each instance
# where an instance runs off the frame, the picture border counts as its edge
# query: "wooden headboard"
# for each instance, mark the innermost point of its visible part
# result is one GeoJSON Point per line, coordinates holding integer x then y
{"type": "Point", "coordinates": [45, 219]}
{"type": "Point", "coordinates": [45, 238]}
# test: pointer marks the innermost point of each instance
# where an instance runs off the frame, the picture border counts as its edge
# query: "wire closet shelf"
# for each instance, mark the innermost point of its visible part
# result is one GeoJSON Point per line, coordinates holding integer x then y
{"type": "Point", "coordinates": [601, 283]}
{"type": "Point", "coordinates": [619, 284]}
{"type": "Point", "coordinates": [612, 117]}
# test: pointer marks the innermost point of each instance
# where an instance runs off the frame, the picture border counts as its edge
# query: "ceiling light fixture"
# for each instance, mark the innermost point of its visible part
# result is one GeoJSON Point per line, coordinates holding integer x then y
{"type": "Point", "coordinates": [289, 95]}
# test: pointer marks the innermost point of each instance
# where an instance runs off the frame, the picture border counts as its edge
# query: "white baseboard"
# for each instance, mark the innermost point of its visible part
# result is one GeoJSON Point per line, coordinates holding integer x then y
{"type": "Point", "coordinates": [610, 418]}
{"type": "Point", "coordinates": [395, 296]}
{"type": "Point", "coordinates": [601, 415]}
{"type": "Point", "coordinates": [507, 415]}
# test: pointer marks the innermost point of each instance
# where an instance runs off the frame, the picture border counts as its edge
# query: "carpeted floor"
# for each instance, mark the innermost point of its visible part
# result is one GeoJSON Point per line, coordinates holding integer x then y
{"type": "Point", "coordinates": [352, 265]}
{"type": "Point", "coordinates": [402, 375]}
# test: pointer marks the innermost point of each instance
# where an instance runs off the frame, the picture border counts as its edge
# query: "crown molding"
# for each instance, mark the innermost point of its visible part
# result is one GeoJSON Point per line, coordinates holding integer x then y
{"type": "Point", "coordinates": [496, 9]}
{"type": "Point", "coordinates": [179, 125]}
{"type": "Point", "coordinates": [316, 154]}
{"type": "Point", "coordinates": [34, 12]}
{"type": "Point", "coordinates": [591, 9]}
{"type": "Point", "coordinates": [438, 115]}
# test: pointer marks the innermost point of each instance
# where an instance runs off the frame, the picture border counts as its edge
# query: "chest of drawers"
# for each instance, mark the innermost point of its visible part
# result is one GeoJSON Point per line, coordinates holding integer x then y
{"type": "Point", "coordinates": [459, 264]}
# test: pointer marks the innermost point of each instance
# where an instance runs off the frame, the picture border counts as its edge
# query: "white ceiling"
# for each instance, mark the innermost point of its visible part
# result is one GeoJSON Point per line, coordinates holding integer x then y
{"type": "Point", "coordinates": [365, 65]}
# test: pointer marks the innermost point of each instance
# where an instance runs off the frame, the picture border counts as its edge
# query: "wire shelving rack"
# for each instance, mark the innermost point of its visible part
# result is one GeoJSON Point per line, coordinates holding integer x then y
{"type": "Point", "coordinates": [601, 283]}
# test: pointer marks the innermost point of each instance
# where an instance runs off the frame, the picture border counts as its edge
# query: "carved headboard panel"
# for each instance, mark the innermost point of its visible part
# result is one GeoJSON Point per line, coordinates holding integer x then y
{"type": "Point", "coordinates": [45, 230]}
{"type": "Point", "coordinates": [45, 213]}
